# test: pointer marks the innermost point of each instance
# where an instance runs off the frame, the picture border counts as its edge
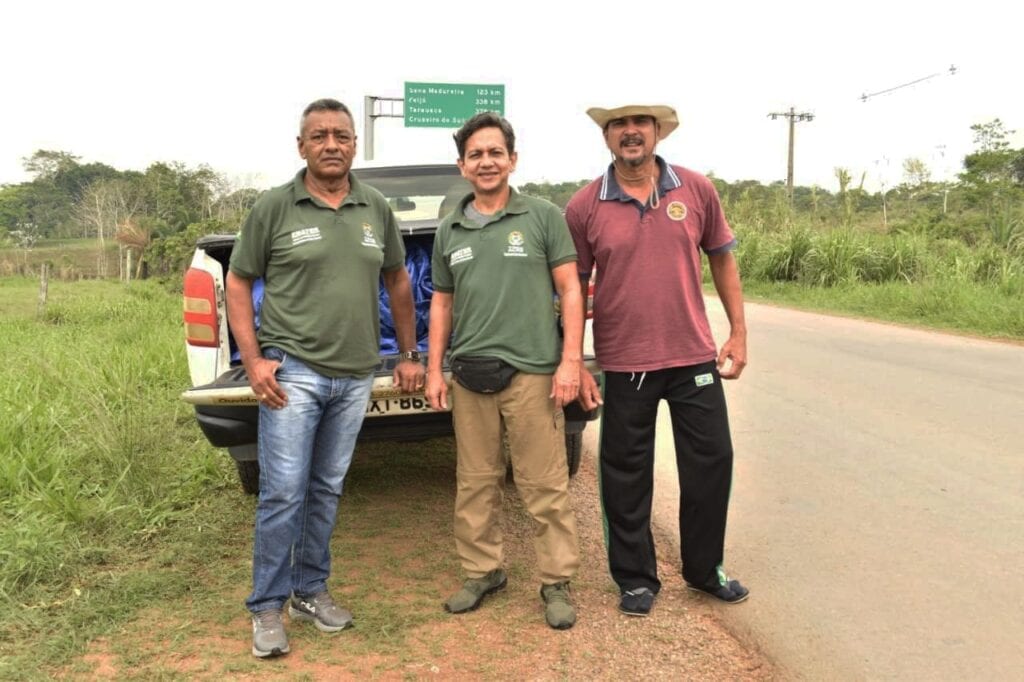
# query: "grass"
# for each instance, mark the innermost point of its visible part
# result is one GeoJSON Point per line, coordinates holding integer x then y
{"type": "Point", "coordinates": [114, 510]}
{"type": "Point", "coordinates": [938, 283]}
{"type": "Point", "coordinates": [70, 259]}
{"type": "Point", "coordinates": [99, 462]}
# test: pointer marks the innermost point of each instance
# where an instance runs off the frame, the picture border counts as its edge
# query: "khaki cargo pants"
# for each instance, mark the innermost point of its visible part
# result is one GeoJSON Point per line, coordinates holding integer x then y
{"type": "Point", "coordinates": [536, 437]}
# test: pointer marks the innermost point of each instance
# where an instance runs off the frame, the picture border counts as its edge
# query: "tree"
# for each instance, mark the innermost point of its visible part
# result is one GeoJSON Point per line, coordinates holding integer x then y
{"type": "Point", "coordinates": [915, 173]}
{"type": "Point", "coordinates": [991, 182]}
{"type": "Point", "coordinates": [105, 206]}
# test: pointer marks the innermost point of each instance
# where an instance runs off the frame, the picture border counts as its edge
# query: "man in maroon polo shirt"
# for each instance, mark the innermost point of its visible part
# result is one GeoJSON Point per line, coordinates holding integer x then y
{"type": "Point", "coordinates": [643, 224]}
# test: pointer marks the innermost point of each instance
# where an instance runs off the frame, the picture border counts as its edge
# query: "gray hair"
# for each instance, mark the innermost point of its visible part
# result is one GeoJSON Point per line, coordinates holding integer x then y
{"type": "Point", "coordinates": [325, 104]}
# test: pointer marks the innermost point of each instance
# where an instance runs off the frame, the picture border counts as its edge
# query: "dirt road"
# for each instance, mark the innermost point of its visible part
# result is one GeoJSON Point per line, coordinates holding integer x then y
{"type": "Point", "coordinates": [878, 502]}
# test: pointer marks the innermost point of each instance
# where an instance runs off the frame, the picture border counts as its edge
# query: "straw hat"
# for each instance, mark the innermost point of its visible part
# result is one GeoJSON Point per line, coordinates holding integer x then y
{"type": "Point", "coordinates": [665, 116]}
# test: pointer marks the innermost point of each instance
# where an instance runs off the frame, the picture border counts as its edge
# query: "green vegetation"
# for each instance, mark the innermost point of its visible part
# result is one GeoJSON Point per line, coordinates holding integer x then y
{"type": "Point", "coordinates": [123, 530]}
{"type": "Point", "coordinates": [99, 462]}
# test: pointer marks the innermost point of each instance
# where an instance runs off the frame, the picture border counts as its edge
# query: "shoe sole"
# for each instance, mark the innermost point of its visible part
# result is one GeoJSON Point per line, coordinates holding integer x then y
{"type": "Point", "coordinates": [560, 626]}
{"type": "Point", "coordinates": [480, 601]}
{"type": "Point", "coordinates": [635, 614]}
{"type": "Point", "coordinates": [273, 653]}
{"type": "Point", "coordinates": [303, 617]}
{"type": "Point", "coordinates": [717, 598]}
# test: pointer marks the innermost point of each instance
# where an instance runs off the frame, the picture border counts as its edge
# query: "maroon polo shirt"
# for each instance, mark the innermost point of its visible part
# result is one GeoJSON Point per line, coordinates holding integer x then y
{"type": "Point", "coordinates": [648, 301]}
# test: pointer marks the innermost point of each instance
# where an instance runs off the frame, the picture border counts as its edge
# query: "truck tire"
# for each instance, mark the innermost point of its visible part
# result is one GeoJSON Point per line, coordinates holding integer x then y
{"type": "Point", "coordinates": [249, 475]}
{"type": "Point", "coordinates": [573, 451]}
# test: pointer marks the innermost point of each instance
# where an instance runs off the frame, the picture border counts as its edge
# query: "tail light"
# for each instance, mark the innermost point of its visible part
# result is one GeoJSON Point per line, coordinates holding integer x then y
{"type": "Point", "coordinates": [201, 327]}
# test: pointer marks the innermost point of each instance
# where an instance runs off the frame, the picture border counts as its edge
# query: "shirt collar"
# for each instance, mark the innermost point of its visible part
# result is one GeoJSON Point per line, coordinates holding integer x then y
{"type": "Point", "coordinates": [612, 191]}
{"type": "Point", "coordinates": [516, 205]}
{"type": "Point", "coordinates": [356, 190]}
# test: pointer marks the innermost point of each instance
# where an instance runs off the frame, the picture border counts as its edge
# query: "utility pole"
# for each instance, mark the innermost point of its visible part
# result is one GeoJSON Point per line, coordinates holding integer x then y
{"type": "Point", "coordinates": [793, 118]}
{"type": "Point", "coordinates": [370, 112]}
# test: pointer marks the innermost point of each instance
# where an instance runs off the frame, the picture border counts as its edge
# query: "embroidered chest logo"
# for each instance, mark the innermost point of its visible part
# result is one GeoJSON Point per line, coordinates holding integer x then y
{"type": "Point", "coordinates": [306, 234]}
{"type": "Point", "coordinates": [369, 238]}
{"type": "Point", "coordinates": [676, 211]}
{"type": "Point", "coordinates": [516, 243]}
{"type": "Point", "coordinates": [461, 255]}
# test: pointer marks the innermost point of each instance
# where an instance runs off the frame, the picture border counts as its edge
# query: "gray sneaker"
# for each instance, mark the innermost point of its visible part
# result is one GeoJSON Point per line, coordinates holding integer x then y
{"type": "Point", "coordinates": [321, 610]}
{"type": "Point", "coordinates": [268, 635]}
{"type": "Point", "coordinates": [474, 590]}
{"type": "Point", "coordinates": [559, 612]}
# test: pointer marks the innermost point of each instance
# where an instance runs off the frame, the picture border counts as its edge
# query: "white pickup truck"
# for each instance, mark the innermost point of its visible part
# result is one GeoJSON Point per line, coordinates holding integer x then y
{"type": "Point", "coordinates": [225, 406]}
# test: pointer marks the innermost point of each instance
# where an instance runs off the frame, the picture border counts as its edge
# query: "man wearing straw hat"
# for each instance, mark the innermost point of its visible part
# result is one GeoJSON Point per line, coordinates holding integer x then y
{"type": "Point", "coordinates": [643, 225]}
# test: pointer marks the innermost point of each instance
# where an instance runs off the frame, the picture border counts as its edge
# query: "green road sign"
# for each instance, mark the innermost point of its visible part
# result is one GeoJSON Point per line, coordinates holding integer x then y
{"type": "Point", "coordinates": [448, 105]}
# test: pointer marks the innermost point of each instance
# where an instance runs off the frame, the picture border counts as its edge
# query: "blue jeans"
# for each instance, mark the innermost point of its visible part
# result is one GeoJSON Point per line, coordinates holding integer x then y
{"type": "Point", "coordinates": [305, 450]}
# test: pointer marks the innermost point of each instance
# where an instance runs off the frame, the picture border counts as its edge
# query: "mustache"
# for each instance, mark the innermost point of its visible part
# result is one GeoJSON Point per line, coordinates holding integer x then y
{"type": "Point", "coordinates": [631, 139]}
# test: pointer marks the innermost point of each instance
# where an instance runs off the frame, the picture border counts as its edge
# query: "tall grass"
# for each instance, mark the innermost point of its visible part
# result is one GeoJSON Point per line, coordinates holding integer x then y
{"type": "Point", "coordinates": [98, 457]}
{"type": "Point", "coordinates": [897, 276]}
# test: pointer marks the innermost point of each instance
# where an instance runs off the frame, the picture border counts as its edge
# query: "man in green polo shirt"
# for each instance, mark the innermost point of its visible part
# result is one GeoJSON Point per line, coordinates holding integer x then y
{"type": "Point", "coordinates": [498, 260]}
{"type": "Point", "coordinates": [321, 243]}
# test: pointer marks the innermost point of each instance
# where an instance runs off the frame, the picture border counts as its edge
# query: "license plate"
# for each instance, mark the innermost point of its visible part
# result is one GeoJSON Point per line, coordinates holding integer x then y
{"type": "Point", "coordinates": [379, 407]}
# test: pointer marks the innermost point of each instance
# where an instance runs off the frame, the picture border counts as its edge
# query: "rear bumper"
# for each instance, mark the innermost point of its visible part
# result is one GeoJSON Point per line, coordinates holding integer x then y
{"type": "Point", "coordinates": [231, 427]}
{"type": "Point", "coordinates": [228, 413]}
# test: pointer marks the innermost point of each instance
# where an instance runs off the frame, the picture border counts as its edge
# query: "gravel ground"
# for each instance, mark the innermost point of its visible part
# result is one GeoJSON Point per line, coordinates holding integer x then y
{"type": "Point", "coordinates": [412, 566]}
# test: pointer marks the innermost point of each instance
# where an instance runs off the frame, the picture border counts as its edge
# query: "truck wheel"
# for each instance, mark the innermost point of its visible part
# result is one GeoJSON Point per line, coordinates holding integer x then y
{"type": "Point", "coordinates": [249, 475]}
{"type": "Point", "coordinates": [573, 451]}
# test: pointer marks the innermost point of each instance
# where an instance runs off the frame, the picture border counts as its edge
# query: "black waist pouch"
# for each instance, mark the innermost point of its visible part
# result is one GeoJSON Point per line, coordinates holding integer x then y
{"type": "Point", "coordinates": [482, 375]}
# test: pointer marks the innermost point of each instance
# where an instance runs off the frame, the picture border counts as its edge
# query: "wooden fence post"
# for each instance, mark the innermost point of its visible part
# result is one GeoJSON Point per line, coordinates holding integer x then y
{"type": "Point", "coordinates": [44, 276]}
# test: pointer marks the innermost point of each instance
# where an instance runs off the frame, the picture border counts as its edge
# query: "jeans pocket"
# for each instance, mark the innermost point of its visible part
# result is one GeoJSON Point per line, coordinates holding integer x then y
{"type": "Point", "coordinates": [272, 353]}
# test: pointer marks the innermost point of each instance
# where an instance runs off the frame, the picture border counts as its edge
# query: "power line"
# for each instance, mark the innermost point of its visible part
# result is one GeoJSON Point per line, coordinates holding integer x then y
{"type": "Point", "coordinates": [951, 71]}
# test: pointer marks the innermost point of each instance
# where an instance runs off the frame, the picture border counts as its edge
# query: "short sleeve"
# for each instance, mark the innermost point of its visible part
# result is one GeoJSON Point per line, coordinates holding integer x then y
{"type": "Point", "coordinates": [717, 236]}
{"type": "Point", "coordinates": [394, 248]}
{"type": "Point", "coordinates": [578, 231]}
{"type": "Point", "coordinates": [440, 273]}
{"type": "Point", "coordinates": [251, 252]}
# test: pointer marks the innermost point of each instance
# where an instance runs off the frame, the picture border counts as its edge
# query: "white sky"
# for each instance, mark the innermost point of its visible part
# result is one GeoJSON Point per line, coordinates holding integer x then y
{"type": "Point", "coordinates": [224, 82]}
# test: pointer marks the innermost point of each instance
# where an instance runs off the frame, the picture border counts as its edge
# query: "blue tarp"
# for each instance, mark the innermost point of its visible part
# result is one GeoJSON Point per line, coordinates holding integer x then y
{"type": "Point", "coordinates": [417, 262]}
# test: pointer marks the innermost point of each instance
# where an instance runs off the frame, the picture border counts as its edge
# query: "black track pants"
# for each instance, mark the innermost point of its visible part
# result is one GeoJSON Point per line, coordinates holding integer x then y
{"type": "Point", "coordinates": [700, 426]}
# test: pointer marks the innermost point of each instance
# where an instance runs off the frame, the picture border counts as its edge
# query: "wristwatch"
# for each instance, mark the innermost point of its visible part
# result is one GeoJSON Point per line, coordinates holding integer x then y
{"type": "Point", "coordinates": [410, 355]}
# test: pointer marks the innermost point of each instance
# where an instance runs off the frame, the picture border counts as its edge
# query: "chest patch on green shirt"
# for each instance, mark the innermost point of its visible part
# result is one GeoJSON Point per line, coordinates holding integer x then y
{"type": "Point", "coordinates": [305, 234]}
{"type": "Point", "coordinates": [516, 244]}
{"type": "Point", "coordinates": [461, 255]}
{"type": "Point", "coordinates": [369, 238]}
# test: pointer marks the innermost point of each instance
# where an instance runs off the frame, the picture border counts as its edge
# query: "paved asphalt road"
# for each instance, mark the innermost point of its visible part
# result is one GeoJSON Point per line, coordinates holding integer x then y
{"type": "Point", "coordinates": [878, 499]}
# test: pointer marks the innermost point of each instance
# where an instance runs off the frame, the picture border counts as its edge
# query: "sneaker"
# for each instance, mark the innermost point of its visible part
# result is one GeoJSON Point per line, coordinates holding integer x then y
{"type": "Point", "coordinates": [321, 610]}
{"type": "Point", "coordinates": [268, 636]}
{"type": "Point", "coordinates": [729, 591]}
{"type": "Point", "coordinates": [637, 602]}
{"type": "Point", "coordinates": [474, 590]}
{"type": "Point", "coordinates": [559, 612]}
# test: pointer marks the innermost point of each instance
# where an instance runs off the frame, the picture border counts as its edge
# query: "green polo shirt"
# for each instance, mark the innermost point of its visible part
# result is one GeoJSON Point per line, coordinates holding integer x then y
{"type": "Point", "coordinates": [321, 269]}
{"type": "Point", "coordinates": [500, 277]}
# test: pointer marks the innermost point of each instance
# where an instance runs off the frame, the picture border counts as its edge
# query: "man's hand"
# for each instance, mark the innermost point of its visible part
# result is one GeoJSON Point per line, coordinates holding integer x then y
{"type": "Point", "coordinates": [734, 351]}
{"type": "Point", "coordinates": [408, 376]}
{"type": "Point", "coordinates": [264, 384]}
{"type": "Point", "coordinates": [437, 390]}
{"type": "Point", "coordinates": [590, 392]}
{"type": "Point", "coordinates": [565, 383]}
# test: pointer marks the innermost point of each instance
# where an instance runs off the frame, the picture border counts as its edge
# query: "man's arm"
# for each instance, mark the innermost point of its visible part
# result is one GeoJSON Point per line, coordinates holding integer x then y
{"type": "Point", "coordinates": [258, 369]}
{"type": "Point", "coordinates": [590, 392]}
{"type": "Point", "coordinates": [565, 384]}
{"type": "Point", "coordinates": [440, 332]}
{"type": "Point", "coordinates": [726, 275]}
{"type": "Point", "coordinates": [408, 373]}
